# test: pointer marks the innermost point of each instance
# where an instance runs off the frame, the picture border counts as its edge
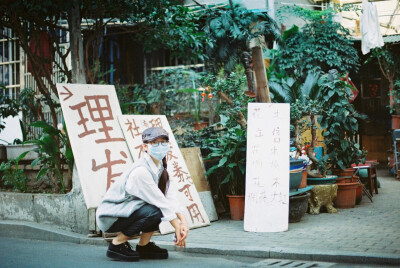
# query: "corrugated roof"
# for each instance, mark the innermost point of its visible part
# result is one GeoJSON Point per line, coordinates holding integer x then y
{"type": "Point", "coordinates": [392, 38]}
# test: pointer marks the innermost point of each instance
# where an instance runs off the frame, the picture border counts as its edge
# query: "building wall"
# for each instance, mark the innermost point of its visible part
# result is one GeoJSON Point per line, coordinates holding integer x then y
{"type": "Point", "coordinates": [66, 211]}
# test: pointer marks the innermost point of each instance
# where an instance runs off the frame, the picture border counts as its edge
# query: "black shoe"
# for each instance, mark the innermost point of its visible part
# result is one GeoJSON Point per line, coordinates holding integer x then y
{"type": "Point", "coordinates": [122, 252]}
{"type": "Point", "coordinates": [151, 251]}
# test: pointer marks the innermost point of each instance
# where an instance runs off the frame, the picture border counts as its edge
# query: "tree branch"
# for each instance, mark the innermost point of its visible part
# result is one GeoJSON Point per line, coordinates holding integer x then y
{"type": "Point", "coordinates": [241, 120]}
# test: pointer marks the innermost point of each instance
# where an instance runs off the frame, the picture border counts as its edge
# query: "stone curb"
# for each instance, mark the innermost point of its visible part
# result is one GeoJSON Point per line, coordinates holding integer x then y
{"type": "Point", "coordinates": [30, 230]}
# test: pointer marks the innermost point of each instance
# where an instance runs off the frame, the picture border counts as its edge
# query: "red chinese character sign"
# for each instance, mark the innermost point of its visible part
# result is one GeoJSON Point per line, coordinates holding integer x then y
{"type": "Point", "coordinates": [267, 168]}
{"type": "Point", "coordinates": [132, 127]}
{"type": "Point", "coordinates": [99, 147]}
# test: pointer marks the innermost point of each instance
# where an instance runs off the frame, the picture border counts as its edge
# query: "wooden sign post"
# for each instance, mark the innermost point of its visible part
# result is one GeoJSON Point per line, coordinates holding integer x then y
{"type": "Point", "coordinates": [267, 168]}
{"type": "Point", "coordinates": [99, 147]}
{"type": "Point", "coordinates": [180, 179]}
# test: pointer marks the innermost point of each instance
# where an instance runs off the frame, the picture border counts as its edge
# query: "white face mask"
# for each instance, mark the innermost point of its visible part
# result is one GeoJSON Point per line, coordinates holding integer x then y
{"type": "Point", "coordinates": [158, 150]}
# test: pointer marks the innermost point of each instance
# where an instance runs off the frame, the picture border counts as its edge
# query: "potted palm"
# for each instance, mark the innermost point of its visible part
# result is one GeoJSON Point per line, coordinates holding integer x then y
{"type": "Point", "coordinates": [304, 98]}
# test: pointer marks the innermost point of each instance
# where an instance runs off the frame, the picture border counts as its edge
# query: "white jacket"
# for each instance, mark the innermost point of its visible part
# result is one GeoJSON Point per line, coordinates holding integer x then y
{"type": "Point", "coordinates": [134, 188]}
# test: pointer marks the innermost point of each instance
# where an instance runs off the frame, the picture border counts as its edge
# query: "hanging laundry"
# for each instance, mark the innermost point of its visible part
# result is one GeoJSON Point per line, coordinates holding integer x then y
{"type": "Point", "coordinates": [371, 36]}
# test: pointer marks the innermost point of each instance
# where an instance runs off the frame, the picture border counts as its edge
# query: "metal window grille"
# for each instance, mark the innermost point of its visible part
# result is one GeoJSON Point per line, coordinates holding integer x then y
{"type": "Point", "coordinates": [9, 63]}
{"type": "Point", "coordinates": [14, 75]}
{"type": "Point", "coordinates": [57, 77]}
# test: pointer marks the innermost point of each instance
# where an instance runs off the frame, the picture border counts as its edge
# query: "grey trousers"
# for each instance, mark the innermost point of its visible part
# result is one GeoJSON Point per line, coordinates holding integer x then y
{"type": "Point", "coordinates": [146, 219]}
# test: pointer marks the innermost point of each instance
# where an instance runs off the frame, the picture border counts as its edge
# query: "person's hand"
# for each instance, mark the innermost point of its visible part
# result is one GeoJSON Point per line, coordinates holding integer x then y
{"type": "Point", "coordinates": [180, 236]}
{"type": "Point", "coordinates": [181, 245]}
{"type": "Point", "coordinates": [184, 231]}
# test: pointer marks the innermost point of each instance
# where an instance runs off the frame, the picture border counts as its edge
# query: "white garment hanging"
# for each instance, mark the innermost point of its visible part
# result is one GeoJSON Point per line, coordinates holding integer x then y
{"type": "Point", "coordinates": [371, 36]}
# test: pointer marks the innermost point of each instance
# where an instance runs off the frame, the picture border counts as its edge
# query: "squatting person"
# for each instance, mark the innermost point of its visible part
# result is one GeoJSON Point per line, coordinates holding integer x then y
{"type": "Point", "coordinates": [139, 200]}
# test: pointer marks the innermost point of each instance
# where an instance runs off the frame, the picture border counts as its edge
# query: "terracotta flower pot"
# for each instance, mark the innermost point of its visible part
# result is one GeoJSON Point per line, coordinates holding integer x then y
{"type": "Point", "coordinates": [346, 195]}
{"type": "Point", "coordinates": [346, 179]}
{"type": "Point", "coordinates": [343, 173]}
{"type": "Point", "coordinates": [346, 172]}
{"type": "Point", "coordinates": [395, 121]}
{"type": "Point", "coordinates": [359, 194]}
{"type": "Point", "coordinates": [236, 204]}
{"type": "Point", "coordinates": [303, 183]}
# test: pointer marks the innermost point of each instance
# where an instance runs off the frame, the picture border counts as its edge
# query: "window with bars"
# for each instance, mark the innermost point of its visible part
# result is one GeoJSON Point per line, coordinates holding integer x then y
{"type": "Point", "coordinates": [9, 63]}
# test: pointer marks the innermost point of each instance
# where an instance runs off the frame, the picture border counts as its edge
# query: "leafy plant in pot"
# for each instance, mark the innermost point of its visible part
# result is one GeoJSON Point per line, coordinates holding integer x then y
{"type": "Point", "coordinates": [51, 157]}
{"type": "Point", "coordinates": [340, 124]}
{"type": "Point", "coordinates": [230, 145]}
{"type": "Point", "coordinates": [230, 148]}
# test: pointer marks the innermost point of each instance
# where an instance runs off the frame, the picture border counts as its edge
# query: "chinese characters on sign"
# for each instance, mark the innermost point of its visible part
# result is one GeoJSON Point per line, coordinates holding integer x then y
{"type": "Point", "coordinates": [100, 151]}
{"type": "Point", "coordinates": [132, 127]}
{"type": "Point", "coordinates": [267, 168]}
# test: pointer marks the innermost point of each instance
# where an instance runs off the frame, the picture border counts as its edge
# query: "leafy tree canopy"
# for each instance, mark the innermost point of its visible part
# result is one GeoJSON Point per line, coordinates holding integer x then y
{"type": "Point", "coordinates": [321, 44]}
{"type": "Point", "coordinates": [230, 30]}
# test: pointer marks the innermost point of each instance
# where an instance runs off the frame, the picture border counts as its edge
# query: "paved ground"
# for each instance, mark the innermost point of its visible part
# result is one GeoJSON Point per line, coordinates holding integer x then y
{"type": "Point", "coordinates": [366, 234]}
{"type": "Point", "coordinates": [40, 254]}
{"type": "Point", "coordinates": [370, 231]}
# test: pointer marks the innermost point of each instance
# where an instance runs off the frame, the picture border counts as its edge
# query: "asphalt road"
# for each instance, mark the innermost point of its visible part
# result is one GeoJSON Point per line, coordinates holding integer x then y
{"type": "Point", "coordinates": [19, 253]}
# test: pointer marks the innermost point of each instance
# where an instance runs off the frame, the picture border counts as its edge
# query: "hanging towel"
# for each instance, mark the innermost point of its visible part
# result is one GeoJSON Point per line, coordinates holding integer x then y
{"type": "Point", "coordinates": [371, 36]}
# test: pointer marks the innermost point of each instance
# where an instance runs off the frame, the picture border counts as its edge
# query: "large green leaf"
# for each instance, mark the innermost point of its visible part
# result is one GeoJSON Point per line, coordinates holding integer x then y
{"type": "Point", "coordinates": [19, 158]}
{"type": "Point", "coordinates": [222, 161]}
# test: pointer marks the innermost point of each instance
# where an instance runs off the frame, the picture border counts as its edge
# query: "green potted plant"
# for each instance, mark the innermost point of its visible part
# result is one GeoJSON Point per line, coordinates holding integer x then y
{"type": "Point", "coordinates": [230, 149]}
{"type": "Point", "coordinates": [52, 158]}
{"type": "Point", "coordinates": [230, 144]}
{"type": "Point", "coordinates": [340, 123]}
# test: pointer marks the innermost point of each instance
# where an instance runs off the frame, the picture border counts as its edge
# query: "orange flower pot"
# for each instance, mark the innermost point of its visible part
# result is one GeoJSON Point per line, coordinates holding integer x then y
{"type": "Point", "coordinates": [236, 204]}
{"type": "Point", "coordinates": [303, 183]}
{"type": "Point", "coordinates": [346, 172]}
{"type": "Point", "coordinates": [346, 195]}
{"type": "Point", "coordinates": [395, 121]}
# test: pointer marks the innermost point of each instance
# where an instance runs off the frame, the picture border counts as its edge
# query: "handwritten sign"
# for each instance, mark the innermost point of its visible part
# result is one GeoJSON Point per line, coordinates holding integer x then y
{"type": "Point", "coordinates": [132, 127]}
{"type": "Point", "coordinates": [99, 147]}
{"type": "Point", "coordinates": [267, 168]}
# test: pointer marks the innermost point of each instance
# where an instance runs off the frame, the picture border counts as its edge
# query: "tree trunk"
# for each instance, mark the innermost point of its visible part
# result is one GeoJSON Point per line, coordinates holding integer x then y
{"type": "Point", "coordinates": [76, 43]}
{"type": "Point", "coordinates": [246, 56]}
{"type": "Point", "coordinates": [261, 75]}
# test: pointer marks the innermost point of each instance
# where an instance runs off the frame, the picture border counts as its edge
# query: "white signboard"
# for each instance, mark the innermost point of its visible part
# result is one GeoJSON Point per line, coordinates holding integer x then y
{"type": "Point", "coordinates": [132, 127]}
{"type": "Point", "coordinates": [99, 147]}
{"type": "Point", "coordinates": [12, 129]}
{"type": "Point", "coordinates": [267, 168]}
